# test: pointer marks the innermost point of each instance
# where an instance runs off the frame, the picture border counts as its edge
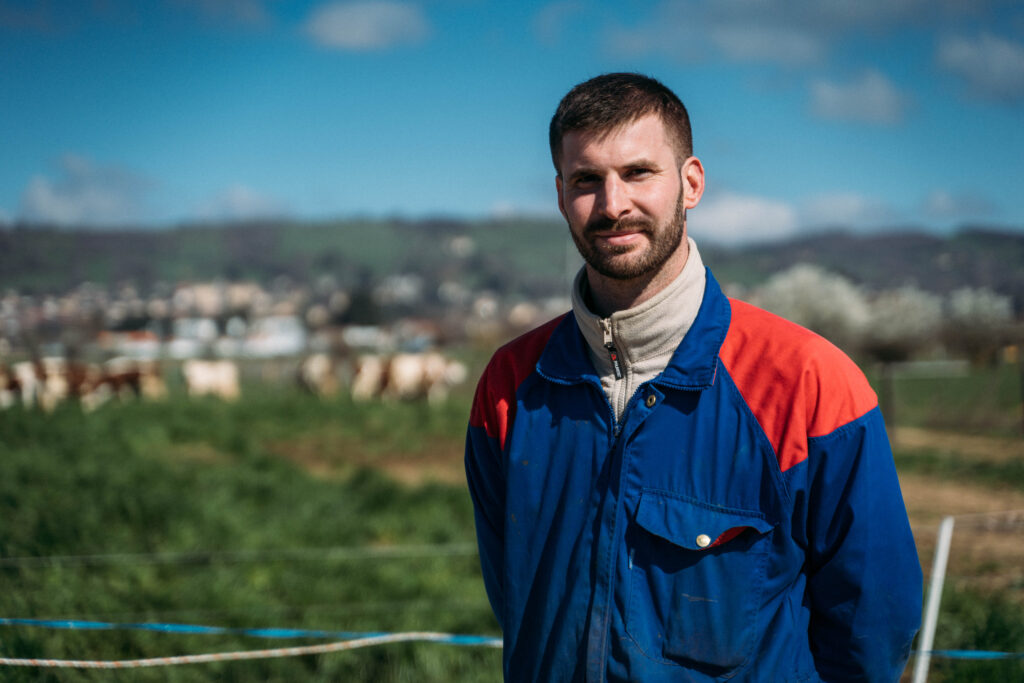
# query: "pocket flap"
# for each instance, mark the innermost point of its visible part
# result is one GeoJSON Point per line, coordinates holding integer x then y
{"type": "Point", "coordinates": [693, 525]}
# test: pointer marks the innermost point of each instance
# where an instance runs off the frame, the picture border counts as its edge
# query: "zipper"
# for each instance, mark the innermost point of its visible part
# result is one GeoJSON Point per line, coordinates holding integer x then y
{"type": "Point", "coordinates": [609, 343]}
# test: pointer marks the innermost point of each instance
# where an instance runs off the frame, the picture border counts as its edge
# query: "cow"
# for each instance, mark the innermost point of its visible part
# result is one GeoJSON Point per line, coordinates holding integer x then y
{"type": "Point", "coordinates": [41, 383]}
{"type": "Point", "coordinates": [407, 376]}
{"type": "Point", "coordinates": [318, 374]}
{"type": "Point", "coordinates": [369, 377]}
{"type": "Point", "coordinates": [47, 382]}
{"type": "Point", "coordinates": [211, 377]}
{"type": "Point", "coordinates": [151, 380]}
{"type": "Point", "coordinates": [55, 385]}
{"type": "Point", "coordinates": [27, 377]}
{"type": "Point", "coordinates": [119, 378]}
{"type": "Point", "coordinates": [10, 387]}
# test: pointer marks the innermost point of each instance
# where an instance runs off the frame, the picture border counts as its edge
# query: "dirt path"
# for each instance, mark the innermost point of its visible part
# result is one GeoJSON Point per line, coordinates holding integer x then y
{"type": "Point", "coordinates": [930, 498]}
{"type": "Point", "coordinates": [982, 448]}
{"type": "Point", "coordinates": [988, 539]}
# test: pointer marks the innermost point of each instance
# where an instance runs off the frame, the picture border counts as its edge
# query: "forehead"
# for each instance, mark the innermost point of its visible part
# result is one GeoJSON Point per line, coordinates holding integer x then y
{"type": "Point", "coordinates": [643, 138]}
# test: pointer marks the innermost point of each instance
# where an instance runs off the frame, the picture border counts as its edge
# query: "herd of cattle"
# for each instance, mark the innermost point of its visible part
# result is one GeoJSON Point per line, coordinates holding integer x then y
{"type": "Point", "coordinates": [50, 381]}
{"type": "Point", "coordinates": [402, 376]}
{"type": "Point", "coordinates": [47, 382]}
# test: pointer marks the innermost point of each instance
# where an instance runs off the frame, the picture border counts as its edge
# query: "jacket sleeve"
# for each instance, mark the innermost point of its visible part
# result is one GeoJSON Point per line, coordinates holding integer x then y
{"type": "Point", "coordinates": [486, 479]}
{"type": "Point", "coordinates": [864, 575]}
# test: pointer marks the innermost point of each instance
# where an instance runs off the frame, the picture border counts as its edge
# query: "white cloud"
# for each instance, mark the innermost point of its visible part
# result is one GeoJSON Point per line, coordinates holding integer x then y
{"type": "Point", "coordinates": [364, 26]}
{"type": "Point", "coordinates": [992, 67]}
{"type": "Point", "coordinates": [729, 218]}
{"type": "Point", "coordinates": [239, 202]}
{"type": "Point", "coordinates": [694, 32]}
{"type": "Point", "coordinates": [504, 209]}
{"type": "Point", "coordinates": [846, 209]}
{"type": "Point", "coordinates": [871, 98]}
{"type": "Point", "coordinates": [783, 32]}
{"type": "Point", "coordinates": [84, 194]}
{"type": "Point", "coordinates": [551, 19]}
{"type": "Point", "coordinates": [654, 38]}
{"type": "Point", "coordinates": [941, 204]}
{"type": "Point", "coordinates": [779, 44]}
{"type": "Point", "coordinates": [248, 12]}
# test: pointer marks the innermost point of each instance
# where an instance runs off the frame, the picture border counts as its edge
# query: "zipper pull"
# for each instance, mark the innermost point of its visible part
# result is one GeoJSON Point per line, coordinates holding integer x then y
{"type": "Point", "coordinates": [613, 353]}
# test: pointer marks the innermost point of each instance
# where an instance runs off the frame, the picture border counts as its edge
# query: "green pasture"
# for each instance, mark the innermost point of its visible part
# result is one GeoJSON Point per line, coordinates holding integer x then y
{"type": "Point", "coordinates": [248, 515]}
{"type": "Point", "coordinates": [211, 522]}
{"type": "Point", "coordinates": [985, 401]}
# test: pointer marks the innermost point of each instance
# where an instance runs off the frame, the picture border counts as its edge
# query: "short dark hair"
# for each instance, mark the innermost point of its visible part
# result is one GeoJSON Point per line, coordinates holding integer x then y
{"type": "Point", "coordinates": [609, 101]}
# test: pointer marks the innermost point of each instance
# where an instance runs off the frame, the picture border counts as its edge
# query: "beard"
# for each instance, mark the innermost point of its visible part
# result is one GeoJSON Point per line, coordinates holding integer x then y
{"type": "Point", "coordinates": [619, 262]}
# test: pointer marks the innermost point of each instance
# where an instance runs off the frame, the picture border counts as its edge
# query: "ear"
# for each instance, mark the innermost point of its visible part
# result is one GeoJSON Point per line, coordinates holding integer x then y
{"type": "Point", "coordinates": [561, 196]}
{"type": "Point", "coordinates": [692, 176]}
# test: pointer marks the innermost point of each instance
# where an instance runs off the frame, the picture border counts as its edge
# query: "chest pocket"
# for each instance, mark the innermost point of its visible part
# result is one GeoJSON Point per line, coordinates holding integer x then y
{"type": "Point", "coordinates": [696, 574]}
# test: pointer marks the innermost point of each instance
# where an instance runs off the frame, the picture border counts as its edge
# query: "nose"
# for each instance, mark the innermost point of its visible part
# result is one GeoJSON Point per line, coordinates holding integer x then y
{"type": "Point", "coordinates": [614, 201]}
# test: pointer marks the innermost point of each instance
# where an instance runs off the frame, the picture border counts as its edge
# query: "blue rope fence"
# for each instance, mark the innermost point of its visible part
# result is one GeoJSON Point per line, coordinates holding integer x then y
{"type": "Point", "coordinates": [452, 639]}
{"type": "Point", "coordinates": [974, 654]}
{"type": "Point", "coordinates": [349, 640]}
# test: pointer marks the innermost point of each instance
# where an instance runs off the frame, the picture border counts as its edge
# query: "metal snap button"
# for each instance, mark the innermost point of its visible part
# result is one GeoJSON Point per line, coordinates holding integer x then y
{"type": "Point", "coordinates": [703, 541]}
{"type": "Point", "coordinates": [651, 400]}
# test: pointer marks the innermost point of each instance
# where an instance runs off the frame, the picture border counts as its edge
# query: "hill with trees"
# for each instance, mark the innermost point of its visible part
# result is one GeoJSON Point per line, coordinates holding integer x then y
{"type": "Point", "coordinates": [531, 258]}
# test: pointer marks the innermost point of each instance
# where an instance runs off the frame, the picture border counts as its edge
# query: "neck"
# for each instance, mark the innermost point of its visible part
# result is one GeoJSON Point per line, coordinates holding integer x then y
{"type": "Point", "coordinates": [608, 295]}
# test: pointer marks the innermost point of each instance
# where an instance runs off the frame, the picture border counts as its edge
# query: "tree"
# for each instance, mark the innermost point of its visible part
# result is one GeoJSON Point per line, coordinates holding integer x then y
{"type": "Point", "coordinates": [977, 323]}
{"type": "Point", "coordinates": [902, 321]}
{"type": "Point", "coordinates": [819, 300]}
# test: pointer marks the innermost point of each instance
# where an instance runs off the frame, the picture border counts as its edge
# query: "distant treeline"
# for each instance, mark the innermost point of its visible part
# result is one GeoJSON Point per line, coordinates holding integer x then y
{"type": "Point", "coordinates": [521, 256]}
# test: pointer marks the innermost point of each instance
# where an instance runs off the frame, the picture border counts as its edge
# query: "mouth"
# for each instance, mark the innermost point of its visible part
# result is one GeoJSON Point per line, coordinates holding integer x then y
{"type": "Point", "coordinates": [606, 229]}
{"type": "Point", "coordinates": [619, 239]}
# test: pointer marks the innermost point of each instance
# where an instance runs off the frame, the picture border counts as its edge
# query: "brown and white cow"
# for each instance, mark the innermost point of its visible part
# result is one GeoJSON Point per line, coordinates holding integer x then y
{"type": "Point", "coordinates": [407, 376]}
{"type": "Point", "coordinates": [47, 382]}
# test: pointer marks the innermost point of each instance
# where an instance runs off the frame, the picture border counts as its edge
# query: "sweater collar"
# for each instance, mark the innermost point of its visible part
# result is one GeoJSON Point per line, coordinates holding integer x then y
{"type": "Point", "coordinates": [655, 327]}
{"type": "Point", "coordinates": [566, 358]}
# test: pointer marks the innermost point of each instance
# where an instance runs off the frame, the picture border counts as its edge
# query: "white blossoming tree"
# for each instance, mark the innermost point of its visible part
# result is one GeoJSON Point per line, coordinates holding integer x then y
{"type": "Point", "coordinates": [977, 323]}
{"type": "Point", "coordinates": [819, 300]}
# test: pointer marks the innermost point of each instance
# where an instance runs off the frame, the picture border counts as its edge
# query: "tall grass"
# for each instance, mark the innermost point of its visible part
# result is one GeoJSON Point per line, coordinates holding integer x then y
{"type": "Point", "coordinates": [208, 480]}
{"type": "Point", "coordinates": [978, 621]}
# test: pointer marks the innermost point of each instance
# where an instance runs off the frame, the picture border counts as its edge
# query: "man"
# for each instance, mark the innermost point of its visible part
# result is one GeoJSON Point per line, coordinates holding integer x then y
{"type": "Point", "coordinates": [669, 484]}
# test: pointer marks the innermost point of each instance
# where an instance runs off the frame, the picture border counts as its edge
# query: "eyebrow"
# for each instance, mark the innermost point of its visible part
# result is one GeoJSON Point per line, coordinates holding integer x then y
{"type": "Point", "coordinates": [643, 163]}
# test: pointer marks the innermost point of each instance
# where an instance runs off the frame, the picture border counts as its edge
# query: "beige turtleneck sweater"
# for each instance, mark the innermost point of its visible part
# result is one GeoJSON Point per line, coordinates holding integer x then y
{"type": "Point", "coordinates": [645, 336]}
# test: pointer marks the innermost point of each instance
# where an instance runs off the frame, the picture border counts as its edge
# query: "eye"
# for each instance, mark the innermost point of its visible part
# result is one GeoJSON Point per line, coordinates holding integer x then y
{"type": "Point", "coordinates": [639, 173]}
{"type": "Point", "coordinates": [587, 180]}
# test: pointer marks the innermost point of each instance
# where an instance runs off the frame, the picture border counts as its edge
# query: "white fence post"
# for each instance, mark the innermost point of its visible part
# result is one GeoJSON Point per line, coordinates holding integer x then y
{"type": "Point", "coordinates": [931, 616]}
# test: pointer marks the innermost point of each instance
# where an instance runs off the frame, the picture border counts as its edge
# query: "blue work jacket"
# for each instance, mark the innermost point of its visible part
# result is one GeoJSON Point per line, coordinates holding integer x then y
{"type": "Point", "coordinates": [742, 520]}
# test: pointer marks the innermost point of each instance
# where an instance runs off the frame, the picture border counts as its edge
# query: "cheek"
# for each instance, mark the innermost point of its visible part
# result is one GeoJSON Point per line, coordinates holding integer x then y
{"type": "Point", "coordinates": [578, 209]}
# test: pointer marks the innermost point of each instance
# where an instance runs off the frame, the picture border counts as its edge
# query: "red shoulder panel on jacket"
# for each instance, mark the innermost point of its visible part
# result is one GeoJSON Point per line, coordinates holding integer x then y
{"type": "Point", "coordinates": [496, 392]}
{"type": "Point", "coordinates": [797, 384]}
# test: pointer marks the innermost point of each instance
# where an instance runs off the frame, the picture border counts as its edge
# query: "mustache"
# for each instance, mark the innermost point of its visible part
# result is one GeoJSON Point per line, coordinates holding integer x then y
{"type": "Point", "coordinates": [632, 224]}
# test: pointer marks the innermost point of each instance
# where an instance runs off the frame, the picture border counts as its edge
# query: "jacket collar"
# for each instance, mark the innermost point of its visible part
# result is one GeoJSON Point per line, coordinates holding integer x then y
{"type": "Point", "coordinates": [566, 359]}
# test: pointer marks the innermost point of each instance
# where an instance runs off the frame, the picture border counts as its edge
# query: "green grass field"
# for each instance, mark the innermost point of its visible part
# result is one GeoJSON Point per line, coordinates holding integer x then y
{"type": "Point", "coordinates": [211, 522]}
{"type": "Point", "coordinates": [239, 515]}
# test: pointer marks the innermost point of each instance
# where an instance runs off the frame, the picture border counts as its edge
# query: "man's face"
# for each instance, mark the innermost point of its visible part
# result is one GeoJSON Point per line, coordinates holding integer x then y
{"type": "Point", "coordinates": [625, 198]}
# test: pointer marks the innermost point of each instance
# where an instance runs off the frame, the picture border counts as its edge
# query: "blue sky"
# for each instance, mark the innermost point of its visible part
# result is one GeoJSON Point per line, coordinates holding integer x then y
{"type": "Point", "coordinates": [807, 113]}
